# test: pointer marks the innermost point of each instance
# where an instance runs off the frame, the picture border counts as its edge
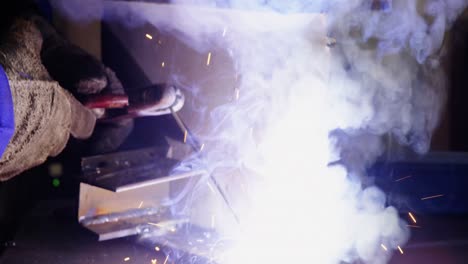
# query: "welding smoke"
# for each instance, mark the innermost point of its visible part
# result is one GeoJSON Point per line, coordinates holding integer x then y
{"type": "Point", "coordinates": [384, 79]}
{"type": "Point", "coordinates": [82, 11]}
{"type": "Point", "coordinates": [321, 83]}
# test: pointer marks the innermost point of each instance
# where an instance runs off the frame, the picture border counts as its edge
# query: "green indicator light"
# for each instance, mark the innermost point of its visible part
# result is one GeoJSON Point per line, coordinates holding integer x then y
{"type": "Point", "coordinates": [56, 182]}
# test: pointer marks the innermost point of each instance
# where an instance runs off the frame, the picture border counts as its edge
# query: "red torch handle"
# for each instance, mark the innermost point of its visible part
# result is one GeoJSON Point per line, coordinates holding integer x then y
{"type": "Point", "coordinates": [107, 101]}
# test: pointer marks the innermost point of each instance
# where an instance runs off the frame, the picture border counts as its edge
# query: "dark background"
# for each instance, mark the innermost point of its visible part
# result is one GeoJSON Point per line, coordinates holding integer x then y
{"type": "Point", "coordinates": [38, 220]}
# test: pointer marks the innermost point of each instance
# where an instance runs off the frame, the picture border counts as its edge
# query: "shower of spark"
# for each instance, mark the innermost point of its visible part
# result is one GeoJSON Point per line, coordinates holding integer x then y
{"type": "Point", "coordinates": [384, 247]}
{"type": "Point", "coordinates": [401, 250]}
{"type": "Point", "coordinates": [412, 217]}
{"type": "Point", "coordinates": [300, 96]}
{"type": "Point", "coordinates": [208, 59]}
{"type": "Point", "coordinates": [403, 178]}
{"type": "Point", "coordinates": [432, 197]}
{"type": "Point", "coordinates": [311, 118]}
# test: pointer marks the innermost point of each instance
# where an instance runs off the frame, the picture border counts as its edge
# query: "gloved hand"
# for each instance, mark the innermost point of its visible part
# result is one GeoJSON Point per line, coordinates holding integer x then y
{"type": "Point", "coordinates": [45, 114]}
{"type": "Point", "coordinates": [83, 75]}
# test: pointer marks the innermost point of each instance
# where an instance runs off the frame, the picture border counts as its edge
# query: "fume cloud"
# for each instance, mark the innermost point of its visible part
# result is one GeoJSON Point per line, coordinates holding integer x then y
{"type": "Point", "coordinates": [311, 117]}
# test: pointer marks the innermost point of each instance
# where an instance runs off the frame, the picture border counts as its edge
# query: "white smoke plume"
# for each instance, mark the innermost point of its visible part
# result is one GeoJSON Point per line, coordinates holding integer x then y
{"type": "Point", "coordinates": [312, 114]}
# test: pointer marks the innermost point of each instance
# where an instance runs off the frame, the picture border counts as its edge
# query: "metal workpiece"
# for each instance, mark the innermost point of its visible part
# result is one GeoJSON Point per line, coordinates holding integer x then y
{"type": "Point", "coordinates": [124, 224]}
{"type": "Point", "coordinates": [197, 147]}
{"type": "Point", "coordinates": [119, 214]}
{"type": "Point", "coordinates": [135, 193]}
{"type": "Point", "coordinates": [129, 193]}
{"type": "Point", "coordinates": [140, 194]}
{"type": "Point", "coordinates": [126, 170]}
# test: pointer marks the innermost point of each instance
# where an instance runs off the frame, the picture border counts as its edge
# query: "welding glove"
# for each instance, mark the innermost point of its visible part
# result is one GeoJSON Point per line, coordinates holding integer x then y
{"type": "Point", "coordinates": [44, 113]}
{"type": "Point", "coordinates": [84, 75]}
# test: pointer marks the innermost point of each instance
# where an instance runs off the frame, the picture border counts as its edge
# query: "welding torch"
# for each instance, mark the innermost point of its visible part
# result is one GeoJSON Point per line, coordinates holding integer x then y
{"type": "Point", "coordinates": [118, 107]}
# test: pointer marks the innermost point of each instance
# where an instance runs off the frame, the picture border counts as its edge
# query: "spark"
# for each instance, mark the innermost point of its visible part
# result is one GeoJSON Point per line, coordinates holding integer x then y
{"type": "Point", "coordinates": [141, 204]}
{"type": "Point", "coordinates": [401, 250]}
{"type": "Point", "coordinates": [167, 258]}
{"type": "Point", "coordinates": [404, 178]}
{"type": "Point", "coordinates": [158, 225]}
{"type": "Point", "coordinates": [211, 188]}
{"type": "Point", "coordinates": [172, 229]}
{"type": "Point", "coordinates": [149, 36]}
{"type": "Point", "coordinates": [384, 247]}
{"type": "Point", "coordinates": [127, 259]}
{"type": "Point", "coordinates": [237, 93]}
{"type": "Point", "coordinates": [432, 197]}
{"type": "Point", "coordinates": [224, 32]}
{"type": "Point", "coordinates": [157, 248]}
{"type": "Point", "coordinates": [208, 60]}
{"type": "Point", "coordinates": [413, 226]}
{"type": "Point", "coordinates": [412, 217]}
{"type": "Point", "coordinates": [185, 136]}
{"type": "Point", "coordinates": [202, 147]}
{"type": "Point", "coordinates": [154, 261]}
{"type": "Point", "coordinates": [163, 64]}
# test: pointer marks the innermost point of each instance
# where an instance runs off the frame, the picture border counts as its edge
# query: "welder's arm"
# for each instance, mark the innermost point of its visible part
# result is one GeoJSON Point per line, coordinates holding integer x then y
{"type": "Point", "coordinates": [37, 114]}
{"type": "Point", "coordinates": [83, 75]}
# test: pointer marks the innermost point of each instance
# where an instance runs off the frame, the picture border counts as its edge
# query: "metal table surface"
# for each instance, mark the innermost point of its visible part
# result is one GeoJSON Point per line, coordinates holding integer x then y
{"type": "Point", "coordinates": [51, 234]}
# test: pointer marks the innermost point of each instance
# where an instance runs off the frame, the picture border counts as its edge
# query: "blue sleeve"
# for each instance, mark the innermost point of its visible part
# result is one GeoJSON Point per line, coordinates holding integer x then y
{"type": "Point", "coordinates": [7, 114]}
